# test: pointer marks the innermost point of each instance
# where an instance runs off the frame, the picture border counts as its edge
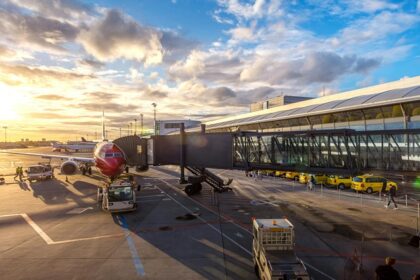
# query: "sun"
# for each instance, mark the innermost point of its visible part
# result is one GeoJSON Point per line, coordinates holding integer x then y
{"type": "Point", "coordinates": [9, 104]}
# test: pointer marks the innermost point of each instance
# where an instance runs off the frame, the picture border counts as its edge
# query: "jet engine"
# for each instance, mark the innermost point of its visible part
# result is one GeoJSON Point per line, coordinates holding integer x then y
{"type": "Point", "coordinates": [69, 167]}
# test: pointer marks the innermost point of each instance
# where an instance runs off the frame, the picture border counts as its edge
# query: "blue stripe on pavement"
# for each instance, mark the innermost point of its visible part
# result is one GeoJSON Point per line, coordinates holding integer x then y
{"type": "Point", "coordinates": [136, 259]}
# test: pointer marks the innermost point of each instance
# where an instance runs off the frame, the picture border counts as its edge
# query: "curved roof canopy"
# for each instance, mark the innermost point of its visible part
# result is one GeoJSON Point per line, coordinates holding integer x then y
{"type": "Point", "coordinates": [358, 99]}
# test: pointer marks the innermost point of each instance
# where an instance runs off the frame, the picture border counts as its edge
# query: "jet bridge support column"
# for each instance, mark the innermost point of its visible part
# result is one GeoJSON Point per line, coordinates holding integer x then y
{"type": "Point", "coordinates": [182, 154]}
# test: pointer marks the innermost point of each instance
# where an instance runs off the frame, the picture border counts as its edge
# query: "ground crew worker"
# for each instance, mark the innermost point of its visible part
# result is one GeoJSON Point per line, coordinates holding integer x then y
{"type": "Point", "coordinates": [391, 195]}
{"type": "Point", "coordinates": [17, 173]}
{"type": "Point", "coordinates": [20, 173]}
{"type": "Point", "coordinates": [385, 272]}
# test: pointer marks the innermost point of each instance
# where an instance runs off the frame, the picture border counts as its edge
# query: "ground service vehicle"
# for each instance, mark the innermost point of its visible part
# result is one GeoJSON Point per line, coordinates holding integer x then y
{"type": "Point", "coordinates": [303, 178]}
{"type": "Point", "coordinates": [280, 173]}
{"type": "Point", "coordinates": [370, 183]}
{"type": "Point", "coordinates": [118, 196]}
{"type": "Point", "coordinates": [273, 250]}
{"type": "Point", "coordinates": [39, 172]}
{"type": "Point", "coordinates": [292, 175]}
{"type": "Point", "coordinates": [341, 182]}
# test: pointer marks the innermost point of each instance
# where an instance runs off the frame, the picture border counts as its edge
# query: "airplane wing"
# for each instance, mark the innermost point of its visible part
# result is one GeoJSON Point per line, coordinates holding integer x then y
{"type": "Point", "coordinates": [62, 157]}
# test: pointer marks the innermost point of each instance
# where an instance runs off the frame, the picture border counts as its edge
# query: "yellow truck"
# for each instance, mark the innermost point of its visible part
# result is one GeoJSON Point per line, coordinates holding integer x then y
{"type": "Point", "coordinates": [273, 250]}
{"type": "Point", "coordinates": [370, 183]}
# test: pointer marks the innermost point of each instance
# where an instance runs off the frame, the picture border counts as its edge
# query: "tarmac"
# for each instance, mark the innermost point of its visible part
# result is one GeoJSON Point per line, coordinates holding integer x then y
{"type": "Point", "coordinates": [55, 229]}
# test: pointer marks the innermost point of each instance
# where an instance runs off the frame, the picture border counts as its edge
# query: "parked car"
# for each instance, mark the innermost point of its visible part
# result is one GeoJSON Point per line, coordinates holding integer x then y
{"type": "Point", "coordinates": [339, 181]}
{"type": "Point", "coordinates": [371, 183]}
{"type": "Point", "coordinates": [292, 175]}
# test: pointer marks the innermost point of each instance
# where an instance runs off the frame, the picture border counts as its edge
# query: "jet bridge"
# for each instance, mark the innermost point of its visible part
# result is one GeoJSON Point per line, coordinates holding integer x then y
{"type": "Point", "coordinates": [340, 151]}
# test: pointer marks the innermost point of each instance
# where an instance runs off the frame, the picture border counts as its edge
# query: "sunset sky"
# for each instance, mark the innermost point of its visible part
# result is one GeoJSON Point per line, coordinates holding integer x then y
{"type": "Point", "coordinates": [64, 61]}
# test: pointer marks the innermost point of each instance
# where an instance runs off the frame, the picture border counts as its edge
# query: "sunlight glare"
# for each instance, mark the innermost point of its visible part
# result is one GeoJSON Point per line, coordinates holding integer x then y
{"type": "Point", "coordinates": [9, 103]}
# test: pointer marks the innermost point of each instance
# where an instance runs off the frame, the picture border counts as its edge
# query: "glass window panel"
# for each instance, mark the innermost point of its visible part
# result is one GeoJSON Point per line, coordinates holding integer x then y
{"type": "Point", "coordinates": [391, 94]}
{"type": "Point", "coordinates": [412, 109]}
{"type": "Point", "coordinates": [392, 111]}
{"type": "Point", "coordinates": [395, 125]}
{"type": "Point", "coordinates": [327, 119]}
{"type": "Point", "coordinates": [340, 117]}
{"type": "Point", "coordinates": [315, 120]}
{"type": "Point", "coordinates": [373, 113]}
{"type": "Point", "coordinates": [377, 126]}
{"type": "Point", "coordinates": [355, 115]}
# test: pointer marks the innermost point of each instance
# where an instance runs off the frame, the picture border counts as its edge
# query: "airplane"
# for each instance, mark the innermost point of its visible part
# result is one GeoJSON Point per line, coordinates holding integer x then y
{"type": "Point", "coordinates": [108, 158]}
{"type": "Point", "coordinates": [76, 146]}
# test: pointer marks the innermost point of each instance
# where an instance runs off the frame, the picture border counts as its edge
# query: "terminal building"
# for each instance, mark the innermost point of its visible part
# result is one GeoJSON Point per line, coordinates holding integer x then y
{"type": "Point", "coordinates": [394, 105]}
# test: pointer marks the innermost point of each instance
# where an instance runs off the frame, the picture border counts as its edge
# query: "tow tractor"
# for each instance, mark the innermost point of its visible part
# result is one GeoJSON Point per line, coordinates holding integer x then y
{"type": "Point", "coordinates": [39, 172]}
{"type": "Point", "coordinates": [118, 195]}
{"type": "Point", "coordinates": [273, 251]}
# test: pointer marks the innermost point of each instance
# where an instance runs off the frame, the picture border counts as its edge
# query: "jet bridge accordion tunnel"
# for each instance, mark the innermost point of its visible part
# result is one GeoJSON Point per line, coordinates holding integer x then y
{"type": "Point", "coordinates": [342, 151]}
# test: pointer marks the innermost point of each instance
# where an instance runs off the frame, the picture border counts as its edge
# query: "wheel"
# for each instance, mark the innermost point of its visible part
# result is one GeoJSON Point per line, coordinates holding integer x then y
{"type": "Point", "coordinates": [189, 190]}
{"type": "Point", "coordinates": [341, 186]}
{"type": "Point", "coordinates": [83, 171]}
{"type": "Point", "coordinates": [90, 170]}
{"type": "Point", "coordinates": [198, 187]}
{"type": "Point", "coordinates": [369, 190]}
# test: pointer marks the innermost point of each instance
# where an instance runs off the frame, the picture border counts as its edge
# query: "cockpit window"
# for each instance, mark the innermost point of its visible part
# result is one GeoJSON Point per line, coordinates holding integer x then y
{"type": "Point", "coordinates": [113, 155]}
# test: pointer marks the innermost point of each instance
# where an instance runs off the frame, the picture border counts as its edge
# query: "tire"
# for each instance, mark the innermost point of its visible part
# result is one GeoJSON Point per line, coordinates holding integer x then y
{"type": "Point", "coordinates": [189, 190]}
{"type": "Point", "coordinates": [369, 190]}
{"type": "Point", "coordinates": [90, 170]}
{"type": "Point", "coordinates": [198, 188]}
{"type": "Point", "coordinates": [341, 186]}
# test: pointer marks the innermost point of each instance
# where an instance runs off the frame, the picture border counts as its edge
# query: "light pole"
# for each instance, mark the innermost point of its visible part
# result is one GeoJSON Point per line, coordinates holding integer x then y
{"type": "Point", "coordinates": [5, 134]}
{"type": "Point", "coordinates": [154, 115]}
{"type": "Point", "coordinates": [141, 124]}
{"type": "Point", "coordinates": [128, 129]}
{"type": "Point", "coordinates": [131, 128]}
{"type": "Point", "coordinates": [135, 126]}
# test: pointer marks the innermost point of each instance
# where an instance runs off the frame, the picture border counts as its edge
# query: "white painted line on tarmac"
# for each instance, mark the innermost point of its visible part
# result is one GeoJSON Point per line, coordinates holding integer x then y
{"type": "Point", "coordinates": [204, 206]}
{"type": "Point", "coordinates": [210, 225]}
{"type": "Point", "coordinates": [78, 210]}
{"type": "Point", "coordinates": [45, 236]}
{"type": "Point", "coordinates": [320, 272]}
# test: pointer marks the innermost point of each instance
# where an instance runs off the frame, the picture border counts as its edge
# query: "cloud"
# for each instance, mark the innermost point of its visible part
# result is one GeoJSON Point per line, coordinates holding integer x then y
{"type": "Point", "coordinates": [43, 115]}
{"type": "Point", "coordinates": [316, 67]}
{"type": "Point", "coordinates": [38, 76]}
{"type": "Point", "coordinates": [51, 97]}
{"type": "Point", "coordinates": [100, 95]}
{"type": "Point", "coordinates": [91, 63]}
{"type": "Point", "coordinates": [118, 36]}
{"type": "Point", "coordinates": [36, 31]}
{"type": "Point", "coordinates": [58, 9]}
{"type": "Point", "coordinates": [107, 106]}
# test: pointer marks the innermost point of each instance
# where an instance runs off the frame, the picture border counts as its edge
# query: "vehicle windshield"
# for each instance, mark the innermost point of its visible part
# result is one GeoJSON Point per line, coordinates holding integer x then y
{"type": "Point", "coordinates": [120, 194]}
{"type": "Point", "coordinates": [357, 179]}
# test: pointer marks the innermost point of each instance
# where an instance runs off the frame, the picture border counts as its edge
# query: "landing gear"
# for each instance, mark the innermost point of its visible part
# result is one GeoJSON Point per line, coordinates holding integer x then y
{"type": "Point", "coordinates": [193, 189]}
{"type": "Point", "coordinates": [83, 169]}
{"type": "Point", "coordinates": [89, 170]}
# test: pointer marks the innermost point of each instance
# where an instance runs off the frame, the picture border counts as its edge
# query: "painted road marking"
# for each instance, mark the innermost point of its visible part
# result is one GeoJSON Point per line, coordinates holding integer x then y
{"type": "Point", "coordinates": [210, 225]}
{"type": "Point", "coordinates": [79, 210]}
{"type": "Point", "coordinates": [136, 259]}
{"type": "Point", "coordinates": [45, 236]}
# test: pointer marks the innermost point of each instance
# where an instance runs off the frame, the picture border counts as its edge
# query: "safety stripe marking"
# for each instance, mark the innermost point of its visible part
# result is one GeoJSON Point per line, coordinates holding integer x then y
{"type": "Point", "coordinates": [136, 259]}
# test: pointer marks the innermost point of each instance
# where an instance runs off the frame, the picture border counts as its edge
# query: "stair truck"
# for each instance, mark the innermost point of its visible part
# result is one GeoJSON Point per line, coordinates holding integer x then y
{"type": "Point", "coordinates": [273, 251]}
{"type": "Point", "coordinates": [118, 195]}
